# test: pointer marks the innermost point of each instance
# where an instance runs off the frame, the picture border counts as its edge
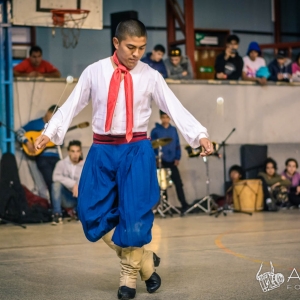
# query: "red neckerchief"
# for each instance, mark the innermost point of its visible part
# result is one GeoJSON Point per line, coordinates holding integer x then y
{"type": "Point", "coordinates": [113, 96]}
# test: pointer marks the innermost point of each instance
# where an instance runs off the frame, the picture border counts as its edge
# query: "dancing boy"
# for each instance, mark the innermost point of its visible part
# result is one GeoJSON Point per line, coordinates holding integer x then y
{"type": "Point", "coordinates": [118, 185]}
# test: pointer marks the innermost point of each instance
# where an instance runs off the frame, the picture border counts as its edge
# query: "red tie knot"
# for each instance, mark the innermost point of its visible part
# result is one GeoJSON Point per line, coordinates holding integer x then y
{"type": "Point", "coordinates": [122, 68]}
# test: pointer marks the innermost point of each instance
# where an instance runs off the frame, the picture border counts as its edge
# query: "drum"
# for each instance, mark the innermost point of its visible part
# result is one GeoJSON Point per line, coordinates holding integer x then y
{"type": "Point", "coordinates": [164, 178]}
{"type": "Point", "coordinates": [248, 195]}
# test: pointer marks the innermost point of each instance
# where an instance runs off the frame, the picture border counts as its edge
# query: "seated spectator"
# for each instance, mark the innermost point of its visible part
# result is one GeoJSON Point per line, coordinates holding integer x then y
{"type": "Point", "coordinates": [235, 175]}
{"type": "Point", "coordinates": [293, 176]}
{"type": "Point", "coordinates": [155, 60]}
{"type": "Point", "coordinates": [229, 64]}
{"type": "Point", "coordinates": [35, 66]}
{"type": "Point", "coordinates": [296, 69]}
{"type": "Point", "coordinates": [280, 68]}
{"type": "Point", "coordinates": [47, 160]}
{"type": "Point", "coordinates": [178, 66]}
{"type": "Point", "coordinates": [66, 177]}
{"type": "Point", "coordinates": [274, 186]}
{"type": "Point", "coordinates": [253, 62]}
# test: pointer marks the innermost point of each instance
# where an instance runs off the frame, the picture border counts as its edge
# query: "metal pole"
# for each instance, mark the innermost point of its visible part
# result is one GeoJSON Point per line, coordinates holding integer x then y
{"type": "Point", "coordinates": [6, 78]}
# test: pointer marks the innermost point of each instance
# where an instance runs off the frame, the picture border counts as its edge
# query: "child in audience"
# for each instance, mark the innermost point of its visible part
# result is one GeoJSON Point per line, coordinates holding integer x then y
{"type": "Point", "coordinates": [235, 175]}
{"type": "Point", "coordinates": [274, 185]}
{"type": "Point", "coordinates": [291, 174]}
{"type": "Point", "coordinates": [280, 68]}
{"type": "Point", "coordinates": [229, 64]}
{"type": "Point", "coordinates": [296, 69]}
{"type": "Point", "coordinates": [253, 62]}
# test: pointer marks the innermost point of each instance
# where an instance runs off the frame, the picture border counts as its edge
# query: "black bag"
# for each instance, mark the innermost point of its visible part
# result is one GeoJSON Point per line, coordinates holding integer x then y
{"type": "Point", "coordinates": [13, 203]}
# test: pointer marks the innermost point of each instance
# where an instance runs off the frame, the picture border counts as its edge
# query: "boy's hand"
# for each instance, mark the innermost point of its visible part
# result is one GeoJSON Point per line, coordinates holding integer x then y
{"type": "Point", "coordinates": [206, 144]}
{"type": "Point", "coordinates": [41, 142]}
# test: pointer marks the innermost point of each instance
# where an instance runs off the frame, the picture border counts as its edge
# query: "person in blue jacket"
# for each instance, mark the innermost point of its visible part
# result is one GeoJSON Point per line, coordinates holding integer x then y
{"type": "Point", "coordinates": [47, 160]}
{"type": "Point", "coordinates": [155, 60]}
{"type": "Point", "coordinates": [171, 154]}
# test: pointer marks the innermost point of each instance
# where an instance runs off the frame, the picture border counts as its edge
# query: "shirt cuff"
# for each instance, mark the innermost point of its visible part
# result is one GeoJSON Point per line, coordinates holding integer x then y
{"type": "Point", "coordinates": [202, 135]}
{"type": "Point", "coordinates": [196, 142]}
{"type": "Point", "coordinates": [53, 125]}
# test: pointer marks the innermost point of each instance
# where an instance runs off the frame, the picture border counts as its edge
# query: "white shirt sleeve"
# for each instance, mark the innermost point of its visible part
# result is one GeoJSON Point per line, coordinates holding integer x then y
{"type": "Point", "coordinates": [61, 120]}
{"type": "Point", "coordinates": [189, 127]}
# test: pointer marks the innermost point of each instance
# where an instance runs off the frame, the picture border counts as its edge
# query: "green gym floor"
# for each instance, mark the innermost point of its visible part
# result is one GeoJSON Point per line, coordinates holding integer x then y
{"type": "Point", "coordinates": [202, 257]}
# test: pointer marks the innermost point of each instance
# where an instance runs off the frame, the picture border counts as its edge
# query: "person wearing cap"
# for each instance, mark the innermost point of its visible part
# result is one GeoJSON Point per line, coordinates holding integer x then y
{"type": "Point", "coordinates": [229, 64]}
{"type": "Point", "coordinates": [280, 68]}
{"type": "Point", "coordinates": [253, 62]}
{"type": "Point", "coordinates": [155, 60]}
{"type": "Point", "coordinates": [178, 66]}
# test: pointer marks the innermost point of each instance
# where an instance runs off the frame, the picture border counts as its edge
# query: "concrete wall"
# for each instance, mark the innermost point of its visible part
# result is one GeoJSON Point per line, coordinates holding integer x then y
{"type": "Point", "coordinates": [261, 115]}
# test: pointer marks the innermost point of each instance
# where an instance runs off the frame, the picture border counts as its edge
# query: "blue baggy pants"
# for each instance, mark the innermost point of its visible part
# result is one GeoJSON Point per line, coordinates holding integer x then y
{"type": "Point", "coordinates": [117, 189]}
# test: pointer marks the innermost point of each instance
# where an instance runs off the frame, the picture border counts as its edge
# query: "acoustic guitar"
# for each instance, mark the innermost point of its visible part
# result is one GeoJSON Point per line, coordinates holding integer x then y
{"type": "Point", "coordinates": [33, 135]}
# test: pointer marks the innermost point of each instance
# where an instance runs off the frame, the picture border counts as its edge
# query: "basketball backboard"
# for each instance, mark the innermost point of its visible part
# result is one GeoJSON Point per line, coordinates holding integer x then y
{"type": "Point", "coordinates": [38, 12]}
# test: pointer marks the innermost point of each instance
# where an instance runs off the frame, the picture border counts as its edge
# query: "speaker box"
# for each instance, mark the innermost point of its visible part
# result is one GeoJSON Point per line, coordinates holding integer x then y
{"type": "Point", "coordinates": [116, 18]}
{"type": "Point", "coordinates": [252, 159]}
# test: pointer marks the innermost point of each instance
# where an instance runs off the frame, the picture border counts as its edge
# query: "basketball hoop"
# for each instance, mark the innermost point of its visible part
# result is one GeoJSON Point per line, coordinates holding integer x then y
{"type": "Point", "coordinates": [70, 21]}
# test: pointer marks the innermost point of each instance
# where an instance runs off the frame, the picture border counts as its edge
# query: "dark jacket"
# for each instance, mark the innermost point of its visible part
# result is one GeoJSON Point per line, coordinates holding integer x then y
{"type": "Point", "coordinates": [158, 66]}
{"type": "Point", "coordinates": [275, 179]}
{"type": "Point", "coordinates": [172, 151]}
{"type": "Point", "coordinates": [232, 67]}
{"type": "Point", "coordinates": [275, 68]}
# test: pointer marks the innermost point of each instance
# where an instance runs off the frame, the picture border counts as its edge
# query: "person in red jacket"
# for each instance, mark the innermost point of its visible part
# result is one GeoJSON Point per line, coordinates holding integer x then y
{"type": "Point", "coordinates": [35, 66]}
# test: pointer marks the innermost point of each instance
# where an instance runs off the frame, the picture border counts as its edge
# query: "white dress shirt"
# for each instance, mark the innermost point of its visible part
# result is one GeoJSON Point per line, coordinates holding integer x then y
{"type": "Point", "coordinates": [148, 85]}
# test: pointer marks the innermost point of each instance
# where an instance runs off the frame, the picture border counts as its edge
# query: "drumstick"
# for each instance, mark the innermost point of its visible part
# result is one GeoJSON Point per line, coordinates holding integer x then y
{"type": "Point", "coordinates": [69, 80]}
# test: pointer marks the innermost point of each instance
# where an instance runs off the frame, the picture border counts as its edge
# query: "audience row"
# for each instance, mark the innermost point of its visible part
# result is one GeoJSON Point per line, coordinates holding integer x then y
{"type": "Point", "coordinates": [229, 65]}
{"type": "Point", "coordinates": [280, 190]}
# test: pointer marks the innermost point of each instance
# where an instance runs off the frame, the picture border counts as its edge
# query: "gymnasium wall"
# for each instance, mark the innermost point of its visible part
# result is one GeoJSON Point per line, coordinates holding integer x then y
{"type": "Point", "coordinates": [261, 115]}
{"type": "Point", "coordinates": [249, 15]}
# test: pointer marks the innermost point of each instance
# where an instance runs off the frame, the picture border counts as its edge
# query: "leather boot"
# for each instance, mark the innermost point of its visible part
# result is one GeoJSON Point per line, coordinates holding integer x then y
{"type": "Point", "coordinates": [126, 293]}
{"type": "Point", "coordinates": [153, 283]}
{"type": "Point", "coordinates": [156, 260]}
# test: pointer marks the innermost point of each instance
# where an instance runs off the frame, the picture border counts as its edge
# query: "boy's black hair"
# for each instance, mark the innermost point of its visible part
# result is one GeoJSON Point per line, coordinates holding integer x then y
{"type": "Point", "coordinates": [52, 108]}
{"type": "Point", "coordinates": [268, 161]}
{"type": "Point", "coordinates": [236, 168]}
{"type": "Point", "coordinates": [161, 113]}
{"type": "Point", "coordinates": [35, 49]}
{"type": "Point", "coordinates": [233, 37]}
{"type": "Point", "coordinates": [131, 27]}
{"type": "Point", "coordinates": [160, 48]}
{"type": "Point", "coordinates": [74, 143]}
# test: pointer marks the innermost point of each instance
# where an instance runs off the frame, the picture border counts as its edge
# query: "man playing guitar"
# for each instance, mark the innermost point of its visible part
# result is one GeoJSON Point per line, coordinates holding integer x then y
{"type": "Point", "coordinates": [46, 160]}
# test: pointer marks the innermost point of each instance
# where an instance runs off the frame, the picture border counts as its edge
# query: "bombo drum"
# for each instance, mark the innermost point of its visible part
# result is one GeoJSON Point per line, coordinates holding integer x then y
{"type": "Point", "coordinates": [248, 195]}
{"type": "Point", "coordinates": [164, 178]}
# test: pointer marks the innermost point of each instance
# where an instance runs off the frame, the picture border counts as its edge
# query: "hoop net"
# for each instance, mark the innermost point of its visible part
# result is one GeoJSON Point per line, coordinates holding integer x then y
{"type": "Point", "coordinates": [70, 21]}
